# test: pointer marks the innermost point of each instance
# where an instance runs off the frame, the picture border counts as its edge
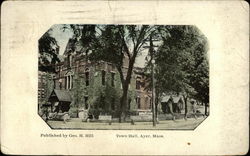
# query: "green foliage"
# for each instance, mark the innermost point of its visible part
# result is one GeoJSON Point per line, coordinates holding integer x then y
{"type": "Point", "coordinates": [116, 41]}
{"type": "Point", "coordinates": [78, 92]}
{"type": "Point", "coordinates": [109, 46]}
{"type": "Point", "coordinates": [95, 91]}
{"type": "Point", "coordinates": [73, 111]}
{"type": "Point", "coordinates": [48, 52]}
{"type": "Point", "coordinates": [113, 43]}
{"type": "Point", "coordinates": [181, 62]}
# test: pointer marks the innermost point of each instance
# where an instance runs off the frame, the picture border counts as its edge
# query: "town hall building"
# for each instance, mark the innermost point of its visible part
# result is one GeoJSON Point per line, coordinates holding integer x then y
{"type": "Point", "coordinates": [95, 86]}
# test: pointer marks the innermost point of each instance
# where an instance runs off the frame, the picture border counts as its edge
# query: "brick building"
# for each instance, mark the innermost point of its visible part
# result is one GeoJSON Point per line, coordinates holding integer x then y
{"type": "Point", "coordinates": [97, 85]}
{"type": "Point", "coordinates": [45, 86]}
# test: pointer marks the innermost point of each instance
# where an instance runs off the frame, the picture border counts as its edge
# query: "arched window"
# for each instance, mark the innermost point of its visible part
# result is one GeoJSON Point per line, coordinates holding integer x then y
{"type": "Point", "coordinates": [138, 83]}
{"type": "Point", "coordinates": [69, 80]}
{"type": "Point", "coordinates": [103, 77]}
{"type": "Point", "coordinates": [87, 77]}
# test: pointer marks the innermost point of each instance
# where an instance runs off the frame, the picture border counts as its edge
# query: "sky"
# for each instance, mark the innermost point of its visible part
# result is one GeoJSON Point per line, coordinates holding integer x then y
{"type": "Point", "coordinates": [62, 38]}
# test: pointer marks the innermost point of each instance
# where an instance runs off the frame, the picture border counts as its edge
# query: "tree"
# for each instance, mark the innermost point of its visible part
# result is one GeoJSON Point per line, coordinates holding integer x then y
{"type": "Point", "coordinates": [182, 64]}
{"type": "Point", "coordinates": [200, 79]}
{"type": "Point", "coordinates": [118, 44]}
{"type": "Point", "coordinates": [48, 53]}
{"type": "Point", "coordinates": [78, 92]}
{"type": "Point", "coordinates": [176, 58]}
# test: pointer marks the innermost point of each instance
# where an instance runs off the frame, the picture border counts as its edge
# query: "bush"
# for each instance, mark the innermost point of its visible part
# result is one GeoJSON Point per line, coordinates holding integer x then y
{"type": "Point", "coordinates": [94, 112]}
{"type": "Point", "coordinates": [73, 112]}
{"type": "Point", "coordinates": [131, 113]}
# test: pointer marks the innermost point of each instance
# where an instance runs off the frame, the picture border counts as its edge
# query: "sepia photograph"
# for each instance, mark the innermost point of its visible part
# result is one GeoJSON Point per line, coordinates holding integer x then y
{"type": "Point", "coordinates": [123, 77]}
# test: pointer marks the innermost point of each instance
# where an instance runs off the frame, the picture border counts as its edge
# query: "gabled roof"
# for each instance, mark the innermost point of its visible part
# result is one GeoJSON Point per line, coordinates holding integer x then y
{"type": "Point", "coordinates": [176, 99]}
{"type": "Point", "coordinates": [69, 46]}
{"type": "Point", "coordinates": [74, 44]}
{"type": "Point", "coordinates": [61, 95]}
{"type": "Point", "coordinates": [166, 98]}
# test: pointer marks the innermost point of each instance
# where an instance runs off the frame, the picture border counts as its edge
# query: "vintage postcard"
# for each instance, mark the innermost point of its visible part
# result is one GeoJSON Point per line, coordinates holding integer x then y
{"type": "Point", "coordinates": [150, 77]}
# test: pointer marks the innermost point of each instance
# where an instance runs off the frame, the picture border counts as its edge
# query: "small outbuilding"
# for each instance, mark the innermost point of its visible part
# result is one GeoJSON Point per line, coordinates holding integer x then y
{"type": "Point", "coordinates": [178, 104]}
{"type": "Point", "coordinates": [60, 100]}
{"type": "Point", "coordinates": [172, 104]}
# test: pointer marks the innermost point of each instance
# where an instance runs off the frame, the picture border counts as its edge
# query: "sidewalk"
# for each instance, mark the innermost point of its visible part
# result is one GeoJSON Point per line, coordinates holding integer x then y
{"type": "Point", "coordinates": [179, 124]}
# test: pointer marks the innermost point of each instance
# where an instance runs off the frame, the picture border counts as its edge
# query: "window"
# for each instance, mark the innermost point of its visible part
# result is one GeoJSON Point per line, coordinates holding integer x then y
{"type": "Point", "coordinates": [60, 83]}
{"type": "Point", "coordinates": [137, 84]}
{"type": "Point", "coordinates": [87, 78]}
{"type": "Point", "coordinates": [150, 104]}
{"type": "Point", "coordinates": [42, 93]}
{"type": "Point", "coordinates": [69, 80]}
{"type": "Point", "coordinates": [138, 102]}
{"type": "Point", "coordinates": [103, 77]}
{"type": "Point", "coordinates": [112, 79]}
{"type": "Point", "coordinates": [65, 82]}
{"type": "Point", "coordinates": [129, 102]}
{"type": "Point", "coordinates": [102, 102]}
{"type": "Point", "coordinates": [86, 102]}
{"type": "Point", "coordinates": [138, 81]}
{"type": "Point", "coordinates": [113, 104]}
{"type": "Point", "coordinates": [70, 60]}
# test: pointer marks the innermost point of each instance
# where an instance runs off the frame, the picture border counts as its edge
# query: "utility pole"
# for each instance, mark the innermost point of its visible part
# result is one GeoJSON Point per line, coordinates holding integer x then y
{"type": "Point", "coordinates": [151, 50]}
{"type": "Point", "coordinates": [153, 94]}
{"type": "Point", "coordinates": [151, 53]}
